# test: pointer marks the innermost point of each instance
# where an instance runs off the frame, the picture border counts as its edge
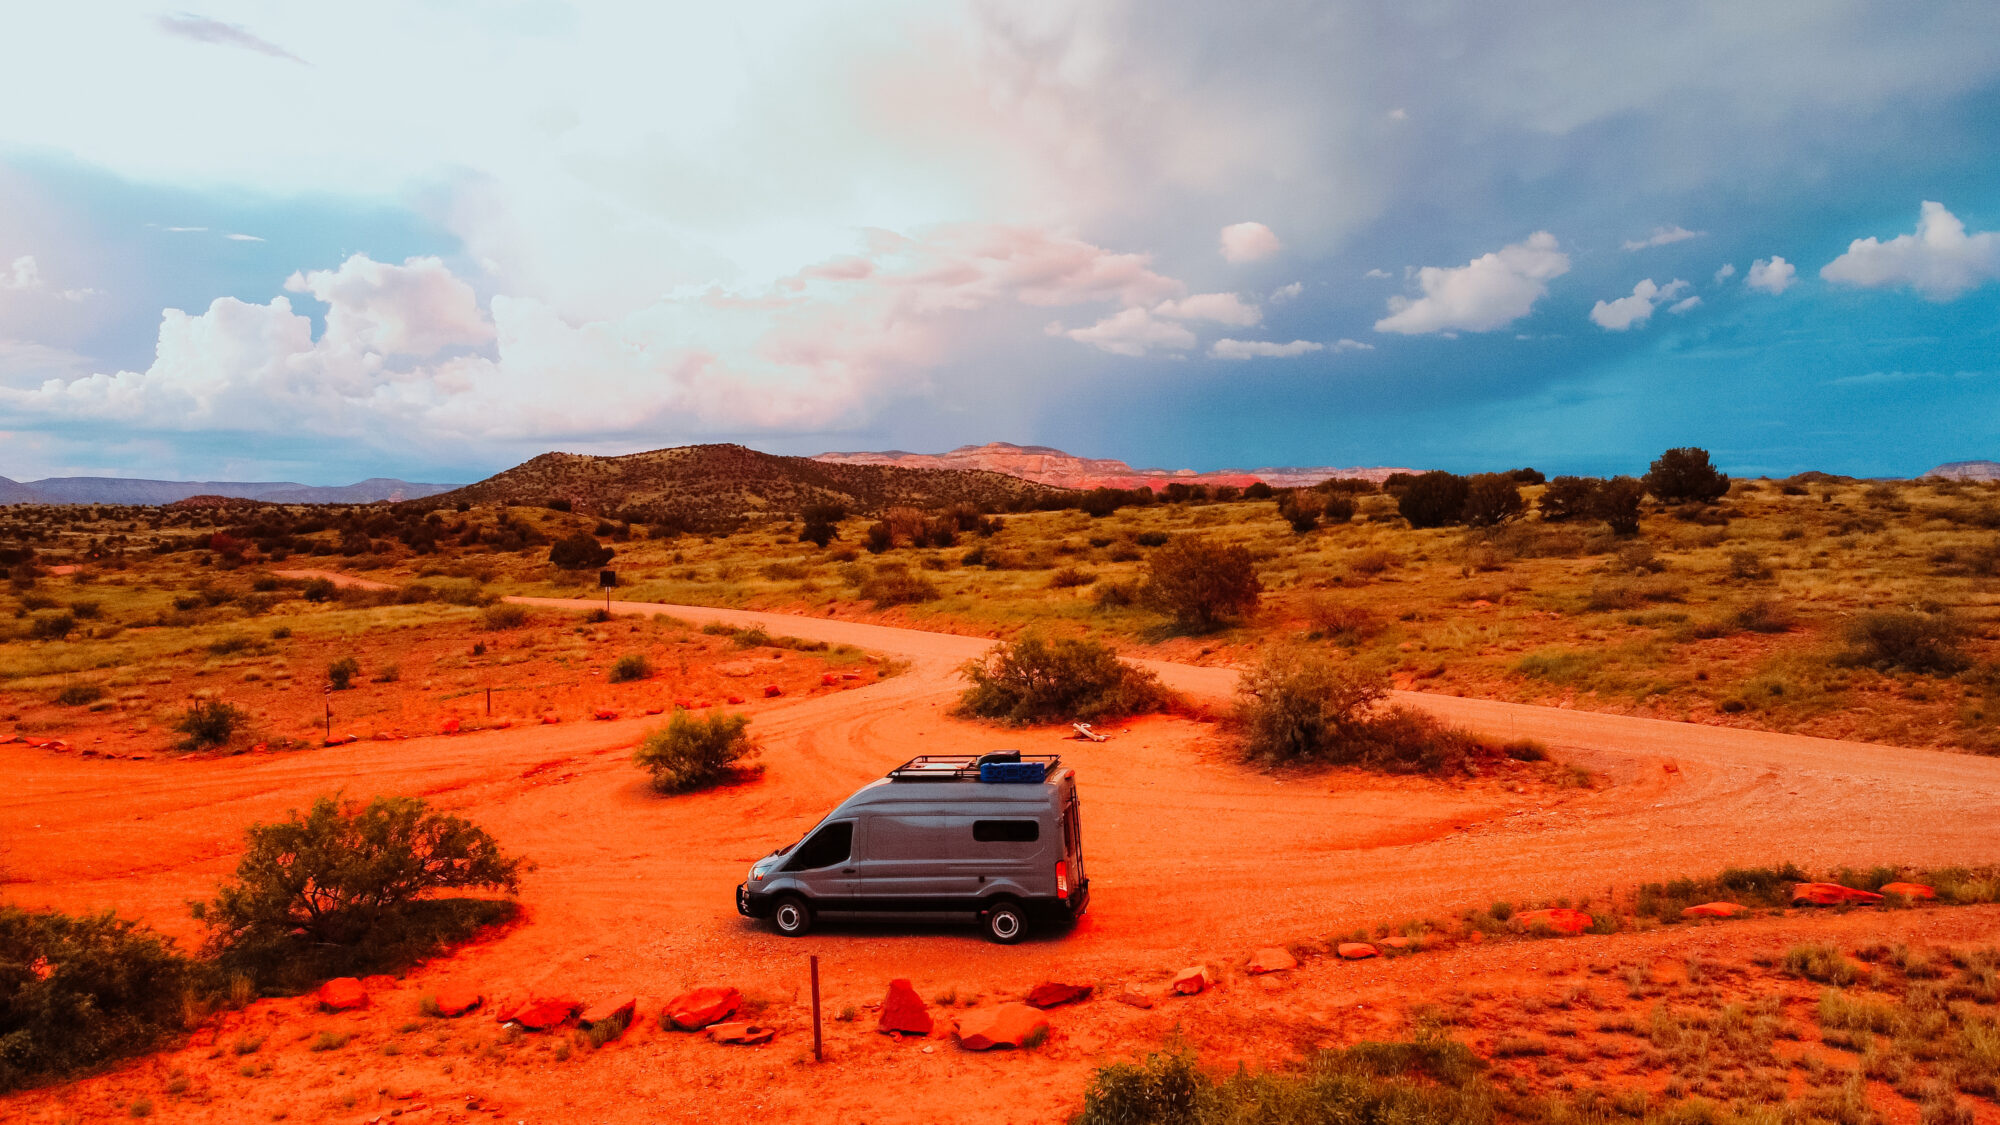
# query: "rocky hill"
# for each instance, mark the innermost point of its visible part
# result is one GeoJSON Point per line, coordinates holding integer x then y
{"type": "Point", "coordinates": [1967, 470]}
{"type": "Point", "coordinates": [127, 490]}
{"type": "Point", "coordinates": [1044, 465]}
{"type": "Point", "coordinates": [702, 486]}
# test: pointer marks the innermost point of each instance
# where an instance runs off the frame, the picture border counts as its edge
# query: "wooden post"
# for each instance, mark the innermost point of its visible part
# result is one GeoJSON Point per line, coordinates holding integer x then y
{"type": "Point", "coordinates": [489, 702]}
{"type": "Point", "coordinates": [819, 1053]}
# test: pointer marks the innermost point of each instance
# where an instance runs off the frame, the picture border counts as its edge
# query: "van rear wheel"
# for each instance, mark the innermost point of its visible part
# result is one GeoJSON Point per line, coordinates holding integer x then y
{"type": "Point", "coordinates": [792, 916]}
{"type": "Point", "coordinates": [1005, 922]}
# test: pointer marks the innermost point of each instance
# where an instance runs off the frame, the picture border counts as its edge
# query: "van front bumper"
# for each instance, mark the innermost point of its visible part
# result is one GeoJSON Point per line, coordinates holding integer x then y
{"type": "Point", "coordinates": [750, 904]}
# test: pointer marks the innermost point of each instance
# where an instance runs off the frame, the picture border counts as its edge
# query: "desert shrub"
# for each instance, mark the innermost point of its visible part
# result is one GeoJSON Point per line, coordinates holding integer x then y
{"type": "Point", "coordinates": [1301, 706]}
{"type": "Point", "coordinates": [1764, 616]}
{"type": "Point", "coordinates": [1745, 563]}
{"type": "Point", "coordinates": [1684, 475]}
{"type": "Point", "coordinates": [1428, 1081]}
{"type": "Point", "coordinates": [348, 888]}
{"type": "Point", "coordinates": [1033, 680]}
{"type": "Point", "coordinates": [51, 626]}
{"type": "Point", "coordinates": [1747, 886]}
{"type": "Point", "coordinates": [79, 695]}
{"type": "Point", "coordinates": [1070, 577]}
{"type": "Point", "coordinates": [317, 590]}
{"type": "Point", "coordinates": [210, 722]}
{"type": "Point", "coordinates": [87, 611]}
{"type": "Point", "coordinates": [896, 584]}
{"type": "Point", "coordinates": [1568, 498]}
{"type": "Point", "coordinates": [1492, 498]}
{"type": "Point", "coordinates": [340, 674]}
{"type": "Point", "coordinates": [388, 674]}
{"type": "Point", "coordinates": [1200, 582]}
{"type": "Point", "coordinates": [1115, 595]}
{"type": "Point", "coordinates": [629, 667]}
{"type": "Point", "coordinates": [1301, 509]}
{"type": "Point", "coordinates": [1914, 641]}
{"type": "Point", "coordinates": [499, 617]}
{"type": "Point", "coordinates": [1434, 499]}
{"type": "Point", "coordinates": [77, 992]}
{"type": "Point", "coordinates": [692, 753]}
{"type": "Point", "coordinates": [880, 537]}
{"type": "Point", "coordinates": [1151, 539]}
{"type": "Point", "coordinates": [579, 552]}
{"type": "Point", "coordinates": [1372, 561]}
{"type": "Point", "coordinates": [1339, 622]}
{"type": "Point", "coordinates": [822, 524]}
{"type": "Point", "coordinates": [1337, 507]}
{"type": "Point", "coordinates": [1822, 963]}
{"type": "Point", "coordinates": [1617, 504]}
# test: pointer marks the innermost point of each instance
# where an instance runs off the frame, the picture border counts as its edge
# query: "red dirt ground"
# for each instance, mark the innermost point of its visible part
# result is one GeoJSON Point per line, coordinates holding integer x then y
{"type": "Point", "coordinates": [1193, 859]}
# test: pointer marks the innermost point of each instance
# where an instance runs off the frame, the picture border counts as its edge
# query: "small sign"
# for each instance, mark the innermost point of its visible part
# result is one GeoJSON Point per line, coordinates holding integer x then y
{"type": "Point", "coordinates": [607, 578]}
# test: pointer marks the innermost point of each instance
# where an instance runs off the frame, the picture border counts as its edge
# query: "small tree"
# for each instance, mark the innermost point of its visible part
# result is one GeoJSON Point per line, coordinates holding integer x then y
{"type": "Point", "coordinates": [1684, 475]}
{"type": "Point", "coordinates": [1568, 498]}
{"type": "Point", "coordinates": [822, 524]}
{"type": "Point", "coordinates": [1200, 583]}
{"type": "Point", "coordinates": [1434, 499]}
{"type": "Point", "coordinates": [1337, 507]}
{"type": "Point", "coordinates": [1301, 508]}
{"type": "Point", "coordinates": [1617, 504]}
{"type": "Point", "coordinates": [1037, 681]}
{"type": "Point", "coordinates": [629, 667]}
{"type": "Point", "coordinates": [1492, 498]}
{"type": "Point", "coordinates": [340, 674]}
{"type": "Point", "coordinates": [346, 875]}
{"type": "Point", "coordinates": [579, 552]}
{"type": "Point", "coordinates": [210, 722]}
{"type": "Point", "coordinates": [1914, 641]}
{"type": "Point", "coordinates": [689, 753]}
{"type": "Point", "coordinates": [1302, 706]}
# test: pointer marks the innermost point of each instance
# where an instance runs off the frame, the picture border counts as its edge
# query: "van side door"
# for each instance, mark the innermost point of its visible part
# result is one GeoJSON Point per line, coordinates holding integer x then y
{"type": "Point", "coordinates": [908, 865]}
{"type": "Point", "coordinates": [1003, 852]}
{"type": "Point", "coordinates": [823, 866]}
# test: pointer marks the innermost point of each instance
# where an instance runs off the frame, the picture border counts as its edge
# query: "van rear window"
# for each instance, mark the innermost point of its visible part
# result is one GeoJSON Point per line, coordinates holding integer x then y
{"type": "Point", "coordinates": [1006, 831]}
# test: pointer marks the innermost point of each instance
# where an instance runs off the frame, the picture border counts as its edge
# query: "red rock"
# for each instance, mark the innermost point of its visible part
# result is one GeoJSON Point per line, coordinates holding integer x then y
{"type": "Point", "coordinates": [1009, 1025]}
{"type": "Point", "coordinates": [1830, 894]}
{"type": "Point", "coordinates": [1397, 943]}
{"type": "Point", "coordinates": [743, 1034]}
{"type": "Point", "coordinates": [618, 1009]}
{"type": "Point", "coordinates": [828, 679]}
{"type": "Point", "coordinates": [684, 705]}
{"type": "Point", "coordinates": [1909, 890]}
{"type": "Point", "coordinates": [380, 983]}
{"type": "Point", "coordinates": [604, 715]}
{"type": "Point", "coordinates": [735, 700]}
{"type": "Point", "coordinates": [449, 726]}
{"type": "Point", "coordinates": [1050, 994]}
{"type": "Point", "coordinates": [1715, 910]}
{"type": "Point", "coordinates": [1192, 981]}
{"type": "Point", "coordinates": [694, 1010]}
{"type": "Point", "coordinates": [654, 710]}
{"type": "Point", "coordinates": [341, 993]}
{"type": "Point", "coordinates": [550, 718]}
{"type": "Point", "coordinates": [453, 1000]}
{"type": "Point", "coordinates": [544, 1012]}
{"type": "Point", "coordinates": [1272, 960]}
{"type": "Point", "coordinates": [772, 691]}
{"type": "Point", "coordinates": [850, 675]}
{"type": "Point", "coordinates": [1135, 996]}
{"type": "Point", "coordinates": [1556, 919]}
{"type": "Point", "coordinates": [903, 1011]}
{"type": "Point", "coordinates": [1356, 951]}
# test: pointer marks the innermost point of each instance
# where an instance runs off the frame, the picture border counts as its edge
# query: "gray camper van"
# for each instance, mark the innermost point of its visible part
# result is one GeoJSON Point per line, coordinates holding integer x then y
{"type": "Point", "coordinates": [996, 836]}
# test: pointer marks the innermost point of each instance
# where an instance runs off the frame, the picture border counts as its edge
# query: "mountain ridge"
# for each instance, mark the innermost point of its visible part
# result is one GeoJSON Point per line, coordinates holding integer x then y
{"type": "Point", "coordinates": [1047, 465]}
{"type": "Point", "coordinates": [143, 491]}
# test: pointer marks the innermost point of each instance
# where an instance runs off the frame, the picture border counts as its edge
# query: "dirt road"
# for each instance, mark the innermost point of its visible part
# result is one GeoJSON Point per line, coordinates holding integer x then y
{"type": "Point", "coordinates": [1193, 857]}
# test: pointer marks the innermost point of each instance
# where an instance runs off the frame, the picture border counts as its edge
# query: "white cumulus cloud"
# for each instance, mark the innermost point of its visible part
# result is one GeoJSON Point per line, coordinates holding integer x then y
{"type": "Point", "coordinates": [23, 275]}
{"type": "Point", "coordinates": [1637, 309]}
{"type": "Point", "coordinates": [1491, 291]}
{"type": "Point", "coordinates": [1663, 236]}
{"type": "Point", "coordinates": [1346, 345]}
{"type": "Point", "coordinates": [1724, 272]}
{"type": "Point", "coordinates": [1679, 308]}
{"type": "Point", "coordinates": [1376, 273]}
{"type": "Point", "coordinates": [1222, 308]}
{"type": "Point", "coordinates": [1773, 276]}
{"type": "Point", "coordinates": [1248, 242]}
{"type": "Point", "coordinates": [1253, 349]}
{"type": "Point", "coordinates": [1940, 260]}
{"type": "Point", "coordinates": [1133, 332]}
{"type": "Point", "coordinates": [1287, 292]}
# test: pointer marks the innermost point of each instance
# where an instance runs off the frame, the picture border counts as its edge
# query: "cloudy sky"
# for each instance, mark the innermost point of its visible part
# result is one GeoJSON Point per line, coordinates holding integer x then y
{"type": "Point", "coordinates": [430, 238]}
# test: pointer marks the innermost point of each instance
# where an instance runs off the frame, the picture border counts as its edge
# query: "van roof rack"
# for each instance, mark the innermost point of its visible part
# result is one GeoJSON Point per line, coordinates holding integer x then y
{"type": "Point", "coordinates": [965, 767]}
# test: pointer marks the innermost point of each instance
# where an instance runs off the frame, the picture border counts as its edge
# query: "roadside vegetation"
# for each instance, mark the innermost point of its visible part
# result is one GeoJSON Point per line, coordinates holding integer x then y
{"type": "Point", "coordinates": [695, 752]}
{"type": "Point", "coordinates": [1068, 679]}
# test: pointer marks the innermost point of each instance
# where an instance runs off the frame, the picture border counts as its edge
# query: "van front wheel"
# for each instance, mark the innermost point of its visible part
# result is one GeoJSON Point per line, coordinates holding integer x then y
{"type": "Point", "coordinates": [792, 916]}
{"type": "Point", "coordinates": [1005, 922]}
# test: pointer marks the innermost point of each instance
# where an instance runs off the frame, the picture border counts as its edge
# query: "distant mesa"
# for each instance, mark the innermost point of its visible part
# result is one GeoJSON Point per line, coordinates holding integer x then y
{"type": "Point", "coordinates": [1044, 465]}
{"type": "Point", "coordinates": [124, 490]}
{"type": "Point", "coordinates": [1966, 470]}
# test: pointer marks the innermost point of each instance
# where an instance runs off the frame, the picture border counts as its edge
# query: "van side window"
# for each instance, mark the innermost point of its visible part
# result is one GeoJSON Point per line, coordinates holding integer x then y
{"type": "Point", "coordinates": [1006, 831]}
{"type": "Point", "coordinates": [828, 846]}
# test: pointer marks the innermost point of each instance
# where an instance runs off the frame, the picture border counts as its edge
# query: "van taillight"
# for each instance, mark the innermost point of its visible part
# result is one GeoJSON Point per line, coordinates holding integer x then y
{"type": "Point", "coordinates": [1062, 878]}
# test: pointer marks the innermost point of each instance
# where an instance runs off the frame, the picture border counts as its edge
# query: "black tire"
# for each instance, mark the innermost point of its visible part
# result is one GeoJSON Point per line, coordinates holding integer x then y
{"type": "Point", "coordinates": [792, 916]}
{"type": "Point", "coordinates": [1005, 921]}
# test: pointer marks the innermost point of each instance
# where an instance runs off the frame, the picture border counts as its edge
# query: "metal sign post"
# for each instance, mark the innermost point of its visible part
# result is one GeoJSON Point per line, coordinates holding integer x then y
{"type": "Point", "coordinates": [607, 579]}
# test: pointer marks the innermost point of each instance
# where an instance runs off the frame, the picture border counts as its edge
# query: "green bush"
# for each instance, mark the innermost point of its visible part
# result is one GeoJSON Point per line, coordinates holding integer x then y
{"type": "Point", "coordinates": [1299, 706]}
{"type": "Point", "coordinates": [79, 992]}
{"type": "Point", "coordinates": [51, 626]}
{"type": "Point", "coordinates": [499, 617]}
{"type": "Point", "coordinates": [579, 552]}
{"type": "Point", "coordinates": [1684, 475]}
{"type": "Point", "coordinates": [1567, 498]}
{"type": "Point", "coordinates": [349, 888]}
{"type": "Point", "coordinates": [1200, 583]}
{"type": "Point", "coordinates": [1066, 680]}
{"type": "Point", "coordinates": [318, 590]}
{"type": "Point", "coordinates": [210, 722]}
{"type": "Point", "coordinates": [1492, 498]}
{"type": "Point", "coordinates": [1909, 640]}
{"type": "Point", "coordinates": [896, 584]}
{"type": "Point", "coordinates": [631, 666]}
{"type": "Point", "coordinates": [697, 753]}
{"type": "Point", "coordinates": [1435, 499]}
{"type": "Point", "coordinates": [340, 674]}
